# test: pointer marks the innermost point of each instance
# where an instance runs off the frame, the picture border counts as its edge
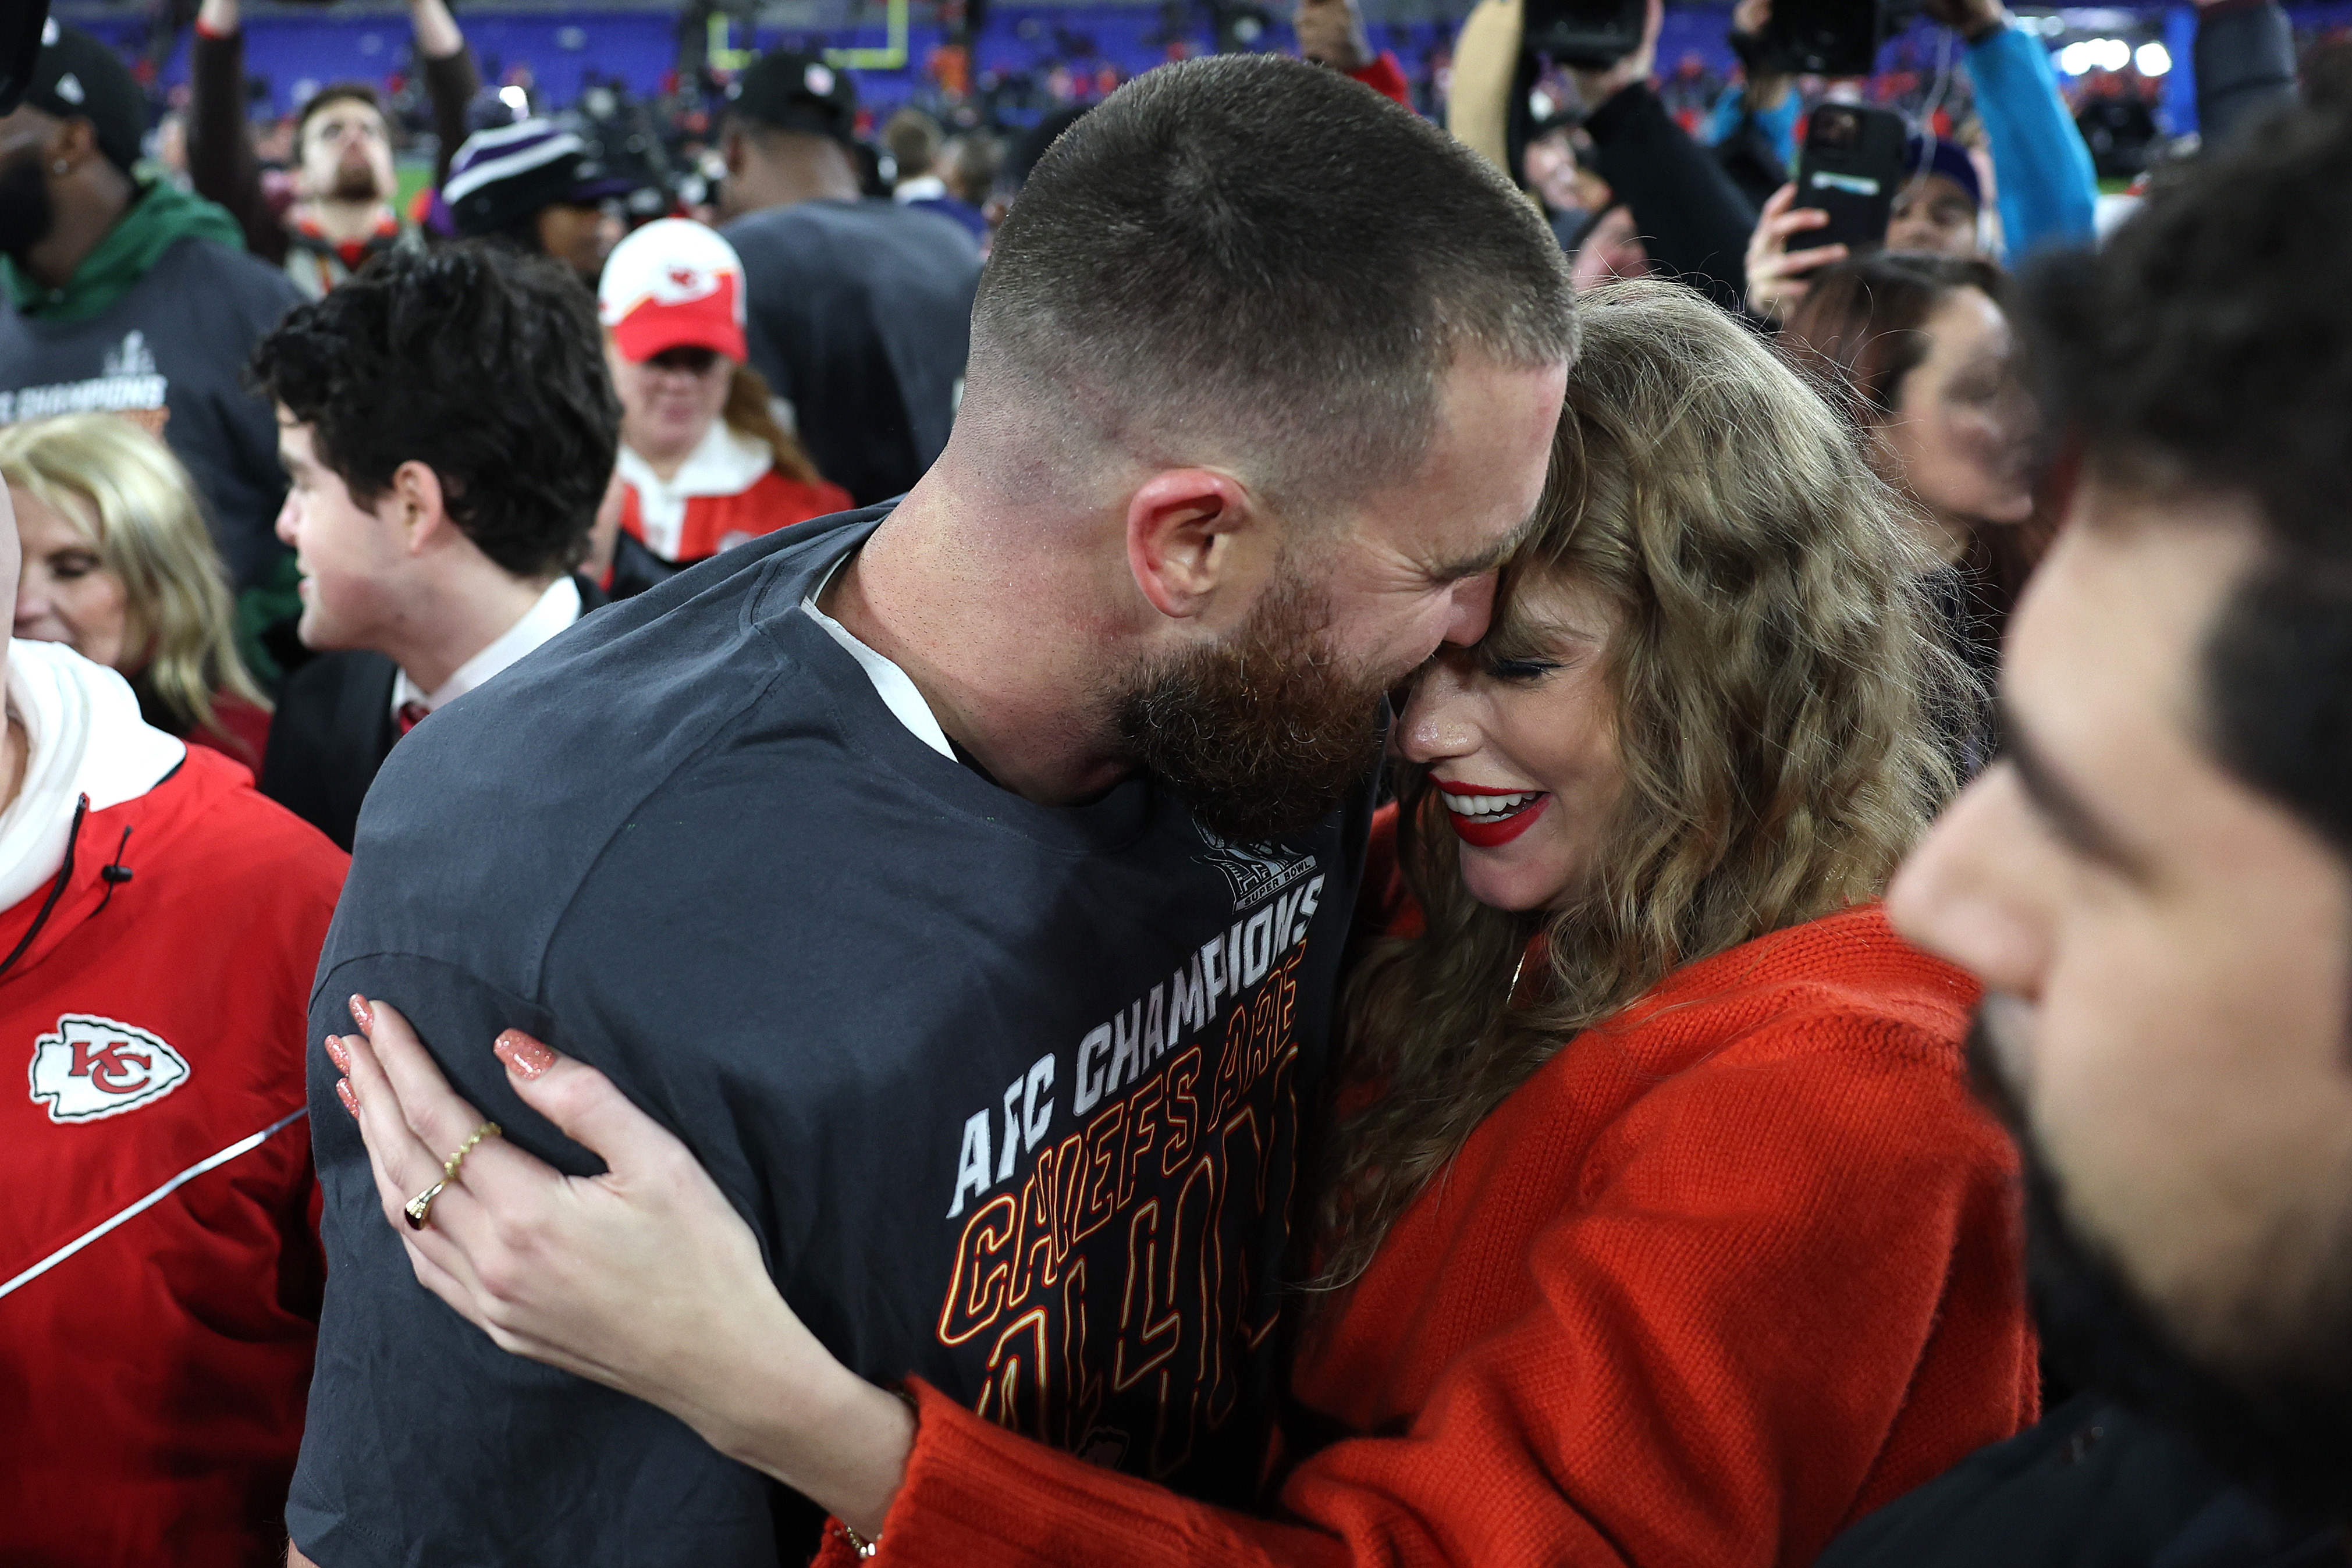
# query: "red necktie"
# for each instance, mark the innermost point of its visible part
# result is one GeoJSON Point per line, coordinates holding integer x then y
{"type": "Point", "coordinates": [412, 715]}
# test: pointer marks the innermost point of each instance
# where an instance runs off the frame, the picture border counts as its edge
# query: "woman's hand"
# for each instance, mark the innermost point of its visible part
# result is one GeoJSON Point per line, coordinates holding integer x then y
{"type": "Point", "coordinates": [643, 1279]}
{"type": "Point", "coordinates": [1775, 273]}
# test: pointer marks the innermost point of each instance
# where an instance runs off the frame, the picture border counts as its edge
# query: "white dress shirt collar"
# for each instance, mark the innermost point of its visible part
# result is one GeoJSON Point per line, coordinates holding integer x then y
{"type": "Point", "coordinates": [557, 608]}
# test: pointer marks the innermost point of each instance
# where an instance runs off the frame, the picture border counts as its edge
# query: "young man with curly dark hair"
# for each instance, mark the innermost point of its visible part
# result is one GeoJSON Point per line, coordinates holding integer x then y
{"type": "Point", "coordinates": [449, 427]}
{"type": "Point", "coordinates": [2155, 885]}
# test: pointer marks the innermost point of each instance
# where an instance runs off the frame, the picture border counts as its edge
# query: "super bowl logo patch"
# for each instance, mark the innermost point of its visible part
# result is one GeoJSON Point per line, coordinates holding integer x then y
{"type": "Point", "coordinates": [94, 1068]}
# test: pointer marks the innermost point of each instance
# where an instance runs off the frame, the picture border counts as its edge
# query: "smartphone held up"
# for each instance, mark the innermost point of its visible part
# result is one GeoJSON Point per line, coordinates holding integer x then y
{"type": "Point", "coordinates": [1852, 167]}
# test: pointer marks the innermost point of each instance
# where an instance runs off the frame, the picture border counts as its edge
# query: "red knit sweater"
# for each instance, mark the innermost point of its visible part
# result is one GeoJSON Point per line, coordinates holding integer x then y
{"type": "Point", "coordinates": [1724, 1275]}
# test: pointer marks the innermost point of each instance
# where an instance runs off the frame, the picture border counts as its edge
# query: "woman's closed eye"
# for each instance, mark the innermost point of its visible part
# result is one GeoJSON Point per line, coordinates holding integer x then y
{"type": "Point", "coordinates": [1520, 672]}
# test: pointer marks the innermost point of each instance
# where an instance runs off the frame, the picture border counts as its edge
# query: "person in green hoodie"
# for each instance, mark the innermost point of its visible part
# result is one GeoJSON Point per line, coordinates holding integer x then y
{"type": "Point", "coordinates": [126, 294]}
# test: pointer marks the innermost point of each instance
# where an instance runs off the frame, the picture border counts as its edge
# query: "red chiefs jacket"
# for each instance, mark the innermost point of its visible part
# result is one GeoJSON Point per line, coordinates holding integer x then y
{"type": "Point", "coordinates": [160, 1270]}
{"type": "Point", "coordinates": [714, 523]}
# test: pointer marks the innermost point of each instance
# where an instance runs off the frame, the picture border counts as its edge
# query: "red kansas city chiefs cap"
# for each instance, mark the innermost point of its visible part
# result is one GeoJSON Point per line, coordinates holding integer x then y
{"type": "Point", "coordinates": [673, 284]}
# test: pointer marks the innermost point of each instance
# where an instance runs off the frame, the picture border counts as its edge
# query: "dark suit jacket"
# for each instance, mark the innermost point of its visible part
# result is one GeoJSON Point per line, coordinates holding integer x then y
{"type": "Point", "coordinates": [332, 731]}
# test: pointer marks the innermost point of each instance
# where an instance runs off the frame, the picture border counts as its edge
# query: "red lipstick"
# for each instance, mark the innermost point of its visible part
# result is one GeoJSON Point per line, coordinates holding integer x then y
{"type": "Point", "coordinates": [1495, 829]}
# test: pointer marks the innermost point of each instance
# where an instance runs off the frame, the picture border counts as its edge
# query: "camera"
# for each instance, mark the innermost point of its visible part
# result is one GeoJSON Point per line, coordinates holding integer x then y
{"type": "Point", "coordinates": [1588, 35]}
{"type": "Point", "coordinates": [1829, 37]}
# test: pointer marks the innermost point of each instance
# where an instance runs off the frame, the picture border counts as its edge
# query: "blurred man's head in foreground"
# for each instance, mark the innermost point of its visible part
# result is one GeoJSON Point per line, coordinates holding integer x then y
{"type": "Point", "coordinates": [2152, 884]}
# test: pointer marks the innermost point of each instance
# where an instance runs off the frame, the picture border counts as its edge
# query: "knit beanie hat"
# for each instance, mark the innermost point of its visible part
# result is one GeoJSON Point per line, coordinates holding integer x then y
{"type": "Point", "coordinates": [508, 174]}
{"type": "Point", "coordinates": [1934, 155]}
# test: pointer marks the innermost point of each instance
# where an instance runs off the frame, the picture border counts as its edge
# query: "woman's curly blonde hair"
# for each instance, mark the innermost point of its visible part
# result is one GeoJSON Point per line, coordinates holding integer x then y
{"type": "Point", "coordinates": [1782, 698]}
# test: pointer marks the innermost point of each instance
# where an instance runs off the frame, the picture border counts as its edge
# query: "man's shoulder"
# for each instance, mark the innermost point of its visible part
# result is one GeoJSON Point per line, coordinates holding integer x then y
{"type": "Point", "coordinates": [635, 676]}
{"type": "Point", "coordinates": [329, 681]}
{"type": "Point", "coordinates": [217, 828]}
{"type": "Point", "coordinates": [605, 710]}
{"type": "Point", "coordinates": [786, 232]}
{"type": "Point", "coordinates": [2093, 1483]}
{"type": "Point", "coordinates": [334, 713]}
{"type": "Point", "coordinates": [249, 282]}
{"type": "Point", "coordinates": [508, 799]}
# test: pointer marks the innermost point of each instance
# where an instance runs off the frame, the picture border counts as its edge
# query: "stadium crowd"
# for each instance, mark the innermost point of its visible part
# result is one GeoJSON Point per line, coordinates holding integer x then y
{"type": "Point", "coordinates": [1608, 828]}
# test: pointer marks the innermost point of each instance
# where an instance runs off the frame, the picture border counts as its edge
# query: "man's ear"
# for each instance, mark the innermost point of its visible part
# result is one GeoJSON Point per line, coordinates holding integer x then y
{"type": "Point", "coordinates": [72, 143]}
{"type": "Point", "coordinates": [418, 507]}
{"type": "Point", "coordinates": [1179, 537]}
{"type": "Point", "coordinates": [731, 150]}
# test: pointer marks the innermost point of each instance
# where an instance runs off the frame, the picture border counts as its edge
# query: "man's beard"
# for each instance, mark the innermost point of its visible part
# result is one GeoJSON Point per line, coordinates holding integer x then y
{"type": "Point", "coordinates": [2281, 1422]}
{"type": "Point", "coordinates": [26, 211]}
{"type": "Point", "coordinates": [355, 182]}
{"type": "Point", "coordinates": [1263, 734]}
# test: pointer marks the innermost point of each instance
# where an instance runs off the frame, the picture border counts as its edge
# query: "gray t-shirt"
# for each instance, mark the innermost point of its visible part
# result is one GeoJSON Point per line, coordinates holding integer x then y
{"type": "Point", "coordinates": [178, 339]}
{"type": "Point", "coordinates": [1011, 1094]}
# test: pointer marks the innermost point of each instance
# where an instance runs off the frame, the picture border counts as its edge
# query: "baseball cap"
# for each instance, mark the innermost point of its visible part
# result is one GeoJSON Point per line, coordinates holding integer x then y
{"type": "Point", "coordinates": [673, 284]}
{"type": "Point", "coordinates": [77, 77]}
{"type": "Point", "coordinates": [510, 173]}
{"type": "Point", "coordinates": [793, 91]}
{"type": "Point", "coordinates": [1934, 155]}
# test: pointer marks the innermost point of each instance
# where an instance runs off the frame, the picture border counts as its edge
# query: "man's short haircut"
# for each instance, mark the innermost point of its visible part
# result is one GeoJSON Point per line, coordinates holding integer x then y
{"type": "Point", "coordinates": [485, 366]}
{"type": "Point", "coordinates": [1251, 259]}
{"type": "Point", "coordinates": [2209, 346]}
{"type": "Point", "coordinates": [326, 98]}
{"type": "Point", "coordinates": [912, 138]}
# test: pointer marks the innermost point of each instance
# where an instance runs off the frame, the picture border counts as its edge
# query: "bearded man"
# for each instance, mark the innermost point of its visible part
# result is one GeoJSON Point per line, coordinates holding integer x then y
{"type": "Point", "coordinates": [990, 852]}
{"type": "Point", "coordinates": [126, 294]}
{"type": "Point", "coordinates": [342, 149]}
{"type": "Point", "coordinates": [2155, 885]}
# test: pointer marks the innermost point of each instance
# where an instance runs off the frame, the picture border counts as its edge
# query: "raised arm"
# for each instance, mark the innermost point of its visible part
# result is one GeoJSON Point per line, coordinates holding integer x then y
{"type": "Point", "coordinates": [221, 165]}
{"type": "Point", "coordinates": [1332, 33]}
{"type": "Point", "coordinates": [1767, 96]}
{"type": "Point", "coordinates": [2048, 192]}
{"type": "Point", "coordinates": [1690, 216]}
{"type": "Point", "coordinates": [451, 79]}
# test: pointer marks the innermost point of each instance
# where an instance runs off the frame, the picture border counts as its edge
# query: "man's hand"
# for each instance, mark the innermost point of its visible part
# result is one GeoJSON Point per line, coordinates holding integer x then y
{"type": "Point", "coordinates": [1764, 89]}
{"type": "Point", "coordinates": [217, 19]}
{"type": "Point", "coordinates": [1597, 88]}
{"type": "Point", "coordinates": [1973, 20]}
{"type": "Point", "coordinates": [1332, 33]}
{"type": "Point", "coordinates": [437, 37]}
{"type": "Point", "coordinates": [1775, 273]}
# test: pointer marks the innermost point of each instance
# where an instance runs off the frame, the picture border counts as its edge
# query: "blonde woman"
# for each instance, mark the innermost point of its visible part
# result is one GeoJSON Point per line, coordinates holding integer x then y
{"type": "Point", "coordinates": [118, 566]}
{"type": "Point", "coordinates": [1660, 1227]}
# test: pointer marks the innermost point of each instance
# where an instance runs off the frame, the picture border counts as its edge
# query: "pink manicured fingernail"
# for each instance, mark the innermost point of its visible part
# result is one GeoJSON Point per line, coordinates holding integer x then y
{"type": "Point", "coordinates": [343, 1092]}
{"type": "Point", "coordinates": [360, 1014]}
{"type": "Point", "coordinates": [337, 1054]}
{"type": "Point", "coordinates": [524, 1057]}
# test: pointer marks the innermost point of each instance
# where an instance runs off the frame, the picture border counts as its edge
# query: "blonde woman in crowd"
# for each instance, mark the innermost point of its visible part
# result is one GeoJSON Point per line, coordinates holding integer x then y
{"type": "Point", "coordinates": [119, 567]}
{"type": "Point", "coordinates": [1659, 1227]}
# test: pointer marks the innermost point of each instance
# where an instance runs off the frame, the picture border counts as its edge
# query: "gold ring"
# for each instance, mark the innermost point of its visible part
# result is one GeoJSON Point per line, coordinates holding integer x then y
{"type": "Point", "coordinates": [420, 1207]}
{"type": "Point", "coordinates": [449, 1166]}
{"type": "Point", "coordinates": [419, 1210]}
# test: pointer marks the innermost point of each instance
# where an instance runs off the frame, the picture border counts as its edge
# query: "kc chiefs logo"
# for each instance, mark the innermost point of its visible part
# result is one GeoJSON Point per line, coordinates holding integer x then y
{"type": "Point", "coordinates": [94, 1067]}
